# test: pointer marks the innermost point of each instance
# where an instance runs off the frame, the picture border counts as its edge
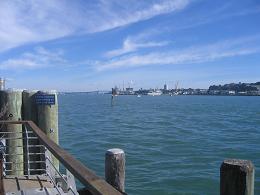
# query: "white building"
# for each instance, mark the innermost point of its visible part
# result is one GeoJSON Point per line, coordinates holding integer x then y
{"type": "Point", "coordinates": [2, 84]}
{"type": "Point", "coordinates": [231, 92]}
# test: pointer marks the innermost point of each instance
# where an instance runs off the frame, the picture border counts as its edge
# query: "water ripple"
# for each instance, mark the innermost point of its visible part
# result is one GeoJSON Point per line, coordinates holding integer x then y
{"type": "Point", "coordinates": [173, 145]}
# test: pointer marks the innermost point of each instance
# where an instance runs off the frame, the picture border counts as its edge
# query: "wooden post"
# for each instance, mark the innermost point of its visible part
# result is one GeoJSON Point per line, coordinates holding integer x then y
{"type": "Point", "coordinates": [237, 177]}
{"type": "Point", "coordinates": [48, 120]}
{"type": "Point", "coordinates": [30, 112]}
{"type": "Point", "coordinates": [2, 191]}
{"type": "Point", "coordinates": [115, 168]}
{"type": "Point", "coordinates": [11, 107]}
{"type": "Point", "coordinates": [29, 106]}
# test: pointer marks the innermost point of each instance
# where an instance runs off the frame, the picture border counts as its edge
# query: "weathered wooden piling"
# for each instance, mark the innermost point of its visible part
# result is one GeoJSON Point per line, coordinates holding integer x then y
{"type": "Point", "coordinates": [11, 106]}
{"type": "Point", "coordinates": [115, 168]}
{"type": "Point", "coordinates": [2, 191]}
{"type": "Point", "coordinates": [237, 177]}
{"type": "Point", "coordinates": [47, 105]}
{"type": "Point", "coordinates": [29, 106]}
{"type": "Point", "coordinates": [30, 112]}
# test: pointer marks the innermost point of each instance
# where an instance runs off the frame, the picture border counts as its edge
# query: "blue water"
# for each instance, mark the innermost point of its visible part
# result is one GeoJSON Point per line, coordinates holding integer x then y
{"type": "Point", "coordinates": [173, 145]}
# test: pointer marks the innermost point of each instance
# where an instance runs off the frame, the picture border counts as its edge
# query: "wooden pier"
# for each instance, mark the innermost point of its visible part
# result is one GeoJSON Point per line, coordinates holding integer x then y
{"type": "Point", "coordinates": [46, 183]}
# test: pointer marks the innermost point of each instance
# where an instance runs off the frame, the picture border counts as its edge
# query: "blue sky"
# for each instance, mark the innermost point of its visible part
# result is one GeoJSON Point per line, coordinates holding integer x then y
{"type": "Point", "coordinates": [96, 44]}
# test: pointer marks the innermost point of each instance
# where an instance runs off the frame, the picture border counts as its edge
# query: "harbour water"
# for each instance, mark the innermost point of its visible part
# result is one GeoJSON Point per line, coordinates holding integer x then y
{"type": "Point", "coordinates": [173, 145]}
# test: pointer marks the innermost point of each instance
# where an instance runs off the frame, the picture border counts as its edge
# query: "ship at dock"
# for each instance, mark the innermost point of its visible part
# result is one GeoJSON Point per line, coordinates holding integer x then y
{"type": "Point", "coordinates": [155, 92]}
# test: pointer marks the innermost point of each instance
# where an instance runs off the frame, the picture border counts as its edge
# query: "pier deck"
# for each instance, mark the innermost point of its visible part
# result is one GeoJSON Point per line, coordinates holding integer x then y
{"type": "Point", "coordinates": [14, 184]}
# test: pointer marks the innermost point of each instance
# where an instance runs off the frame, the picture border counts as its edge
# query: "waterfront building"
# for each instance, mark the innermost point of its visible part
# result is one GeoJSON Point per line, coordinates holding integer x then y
{"type": "Point", "coordinates": [129, 91]}
{"type": "Point", "coordinates": [165, 87]}
{"type": "Point", "coordinates": [2, 84]}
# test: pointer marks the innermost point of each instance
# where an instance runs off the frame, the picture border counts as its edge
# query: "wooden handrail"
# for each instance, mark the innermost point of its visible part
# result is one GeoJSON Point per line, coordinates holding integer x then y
{"type": "Point", "coordinates": [95, 184]}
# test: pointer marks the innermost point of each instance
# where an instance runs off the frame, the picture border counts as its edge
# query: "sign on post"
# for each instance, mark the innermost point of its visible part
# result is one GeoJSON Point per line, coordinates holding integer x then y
{"type": "Point", "coordinates": [44, 99]}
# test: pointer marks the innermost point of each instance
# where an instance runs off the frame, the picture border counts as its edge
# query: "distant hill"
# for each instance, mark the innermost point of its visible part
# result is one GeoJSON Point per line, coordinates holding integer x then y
{"type": "Point", "coordinates": [257, 83]}
{"type": "Point", "coordinates": [237, 87]}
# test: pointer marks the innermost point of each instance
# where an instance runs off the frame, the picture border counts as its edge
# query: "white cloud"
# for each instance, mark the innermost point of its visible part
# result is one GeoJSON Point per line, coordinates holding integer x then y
{"type": "Point", "coordinates": [28, 21]}
{"type": "Point", "coordinates": [39, 58]}
{"type": "Point", "coordinates": [132, 44]}
{"type": "Point", "coordinates": [196, 54]}
{"type": "Point", "coordinates": [136, 10]}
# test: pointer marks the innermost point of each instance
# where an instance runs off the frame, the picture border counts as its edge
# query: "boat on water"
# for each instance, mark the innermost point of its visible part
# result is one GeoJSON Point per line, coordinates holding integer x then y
{"type": "Point", "coordinates": [115, 91]}
{"type": "Point", "coordinates": [138, 96]}
{"type": "Point", "coordinates": [155, 93]}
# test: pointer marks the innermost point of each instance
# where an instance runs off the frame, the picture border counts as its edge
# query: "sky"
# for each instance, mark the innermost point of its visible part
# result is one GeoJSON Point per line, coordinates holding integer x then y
{"type": "Point", "coordinates": [96, 44]}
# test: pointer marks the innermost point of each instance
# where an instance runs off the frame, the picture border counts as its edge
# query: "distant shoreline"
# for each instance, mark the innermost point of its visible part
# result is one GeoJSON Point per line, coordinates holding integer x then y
{"type": "Point", "coordinates": [109, 93]}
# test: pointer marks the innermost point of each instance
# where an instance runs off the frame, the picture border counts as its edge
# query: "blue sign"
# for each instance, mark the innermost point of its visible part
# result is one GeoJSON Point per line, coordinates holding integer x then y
{"type": "Point", "coordinates": [44, 99]}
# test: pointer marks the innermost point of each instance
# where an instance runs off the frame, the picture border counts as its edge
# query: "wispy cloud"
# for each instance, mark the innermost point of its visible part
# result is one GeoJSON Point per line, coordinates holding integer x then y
{"type": "Point", "coordinates": [39, 58]}
{"type": "Point", "coordinates": [195, 54]}
{"type": "Point", "coordinates": [29, 21]}
{"type": "Point", "coordinates": [132, 44]}
{"type": "Point", "coordinates": [134, 11]}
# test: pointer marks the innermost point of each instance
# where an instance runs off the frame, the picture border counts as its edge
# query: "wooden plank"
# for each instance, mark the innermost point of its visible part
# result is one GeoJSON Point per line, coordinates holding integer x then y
{"type": "Point", "coordinates": [15, 184]}
{"type": "Point", "coordinates": [12, 122]}
{"type": "Point", "coordinates": [96, 185]}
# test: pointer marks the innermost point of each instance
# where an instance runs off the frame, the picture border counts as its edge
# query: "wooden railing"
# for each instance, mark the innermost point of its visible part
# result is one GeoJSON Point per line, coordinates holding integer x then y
{"type": "Point", "coordinates": [95, 184]}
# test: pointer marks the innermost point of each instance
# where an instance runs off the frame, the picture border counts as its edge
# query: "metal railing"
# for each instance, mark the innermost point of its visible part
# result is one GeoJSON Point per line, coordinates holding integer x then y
{"type": "Point", "coordinates": [37, 159]}
{"type": "Point", "coordinates": [29, 152]}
